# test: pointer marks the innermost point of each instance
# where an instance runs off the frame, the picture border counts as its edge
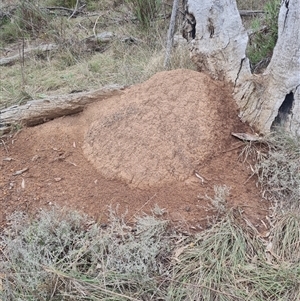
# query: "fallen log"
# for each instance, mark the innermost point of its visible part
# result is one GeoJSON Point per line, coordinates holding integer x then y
{"type": "Point", "coordinates": [42, 110]}
{"type": "Point", "coordinates": [18, 57]}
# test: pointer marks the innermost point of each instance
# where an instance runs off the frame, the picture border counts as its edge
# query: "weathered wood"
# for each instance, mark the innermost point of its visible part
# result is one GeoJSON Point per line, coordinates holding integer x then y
{"type": "Point", "coordinates": [41, 110]}
{"type": "Point", "coordinates": [27, 52]}
{"type": "Point", "coordinates": [273, 98]}
{"type": "Point", "coordinates": [218, 48]}
{"type": "Point", "coordinates": [220, 41]}
{"type": "Point", "coordinates": [99, 42]}
{"type": "Point", "coordinates": [171, 33]}
{"type": "Point", "coordinates": [64, 11]}
{"type": "Point", "coordinates": [245, 13]}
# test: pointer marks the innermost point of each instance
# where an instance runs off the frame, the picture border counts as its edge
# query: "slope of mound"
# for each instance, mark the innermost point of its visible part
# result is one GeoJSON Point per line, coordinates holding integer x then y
{"type": "Point", "coordinates": [159, 131]}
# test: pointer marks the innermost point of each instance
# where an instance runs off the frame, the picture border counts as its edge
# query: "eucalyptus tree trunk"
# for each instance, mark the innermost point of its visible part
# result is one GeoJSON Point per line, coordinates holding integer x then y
{"type": "Point", "coordinates": [218, 44]}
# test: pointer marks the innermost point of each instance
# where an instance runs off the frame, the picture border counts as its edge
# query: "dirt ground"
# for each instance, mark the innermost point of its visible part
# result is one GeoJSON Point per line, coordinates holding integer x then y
{"type": "Point", "coordinates": [80, 163]}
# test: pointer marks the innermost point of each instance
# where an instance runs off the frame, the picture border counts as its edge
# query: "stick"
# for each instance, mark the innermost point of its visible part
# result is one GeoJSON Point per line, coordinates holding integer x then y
{"type": "Point", "coordinates": [75, 10]}
{"type": "Point", "coordinates": [250, 12]}
{"type": "Point", "coordinates": [171, 32]}
{"type": "Point", "coordinates": [94, 28]}
{"type": "Point", "coordinates": [25, 53]}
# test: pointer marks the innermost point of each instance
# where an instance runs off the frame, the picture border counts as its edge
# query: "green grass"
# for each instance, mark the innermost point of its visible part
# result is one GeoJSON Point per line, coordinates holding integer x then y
{"type": "Point", "coordinates": [251, 4]}
{"type": "Point", "coordinates": [122, 64]}
{"type": "Point", "coordinates": [27, 20]}
{"type": "Point", "coordinates": [263, 41]}
{"type": "Point", "coordinates": [72, 67]}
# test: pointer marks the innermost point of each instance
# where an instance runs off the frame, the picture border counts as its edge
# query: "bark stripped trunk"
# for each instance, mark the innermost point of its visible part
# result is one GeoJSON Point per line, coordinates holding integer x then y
{"type": "Point", "coordinates": [218, 48]}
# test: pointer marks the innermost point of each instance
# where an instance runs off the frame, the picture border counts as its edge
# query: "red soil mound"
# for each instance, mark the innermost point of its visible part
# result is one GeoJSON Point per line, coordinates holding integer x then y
{"type": "Point", "coordinates": [159, 136]}
{"type": "Point", "coordinates": [160, 131]}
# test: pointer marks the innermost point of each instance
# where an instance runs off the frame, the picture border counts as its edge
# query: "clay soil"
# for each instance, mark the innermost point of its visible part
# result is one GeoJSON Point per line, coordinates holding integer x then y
{"type": "Point", "coordinates": [81, 162]}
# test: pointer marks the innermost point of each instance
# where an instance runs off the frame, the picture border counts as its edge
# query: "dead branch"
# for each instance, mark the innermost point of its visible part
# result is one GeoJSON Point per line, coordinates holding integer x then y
{"type": "Point", "coordinates": [58, 8]}
{"type": "Point", "coordinates": [76, 10]}
{"type": "Point", "coordinates": [244, 13]}
{"type": "Point", "coordinates": [41, 110]}
{"type": "Point", "coordinates": [64, 11]}
{"type": "Point", "coordinates": [13, 59]}
{"type": "Point", "coordinates": [171, 32]}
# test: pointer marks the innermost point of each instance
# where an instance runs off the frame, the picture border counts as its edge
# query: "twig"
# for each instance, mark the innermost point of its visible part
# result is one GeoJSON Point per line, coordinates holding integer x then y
{"type": "Point", "coordinates": [23, 63]}
{"type": "Point", "coordinates": [2, 141]}
{"type": "Point", "coordinates": [94, 28]}
{"type": "Point", "coordinates": [240, 144]}
{"type": "Point", "coordinates": [58, 8]}
{"type": "Point", "coordinates": [75, 10]}
{"type": "Point", "coordinates": [250, 12]}
{"type": "Point", "coordinates": [199, 177]}
{"type": "Point", "coordinates": [84, 28]}
{"type": "Point", "coordinates": [147, 202]}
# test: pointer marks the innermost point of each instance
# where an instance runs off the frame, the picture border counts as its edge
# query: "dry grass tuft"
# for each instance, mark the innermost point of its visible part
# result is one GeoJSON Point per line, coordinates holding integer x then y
{"type": "Point", "coordinates": [286, 237]}
{"type": "Point", "coordinates": [274, 160]}
{"type": "Point", "coordinates": [66, 256]}
{"type": "Point", "coordinates": [230, 262]}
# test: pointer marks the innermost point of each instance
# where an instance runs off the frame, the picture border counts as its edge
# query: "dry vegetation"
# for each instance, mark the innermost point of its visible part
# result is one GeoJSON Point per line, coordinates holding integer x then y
{"type": "Point", "coordinates": [65, 256]}
{"type": "Point", "coordinates": [81, 62]}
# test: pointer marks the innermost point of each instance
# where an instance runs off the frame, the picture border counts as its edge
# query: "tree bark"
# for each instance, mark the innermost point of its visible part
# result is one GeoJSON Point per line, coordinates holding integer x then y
{"type": "Point", "coordinates": [220, 42]}
{"type": "Point", "coordinates": [276, 97]}
{"type": "Point", "coordinates": [219, 48]}
{"type": "Point", "coordinates": [41, 110]}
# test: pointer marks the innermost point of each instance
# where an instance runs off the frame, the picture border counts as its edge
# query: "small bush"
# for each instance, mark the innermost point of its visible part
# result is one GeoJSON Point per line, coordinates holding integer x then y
{"type": "Point", "coordinates": [276, 163]}
{"type": "Point", "coordinates": [65, 256]}
{"type": "Point", "coordinates": [62, 254]}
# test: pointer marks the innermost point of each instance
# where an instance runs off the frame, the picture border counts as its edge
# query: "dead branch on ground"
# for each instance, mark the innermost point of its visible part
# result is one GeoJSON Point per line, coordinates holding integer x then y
{"type": "Point", "coordinates": [15, 58]}
{"type": "Point", "coordinates": [41, 110]}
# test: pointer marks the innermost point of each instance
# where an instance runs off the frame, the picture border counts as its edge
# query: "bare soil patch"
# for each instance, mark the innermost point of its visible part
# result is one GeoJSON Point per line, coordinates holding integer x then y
{"type": "Point", "coordinates": [145, 147]}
